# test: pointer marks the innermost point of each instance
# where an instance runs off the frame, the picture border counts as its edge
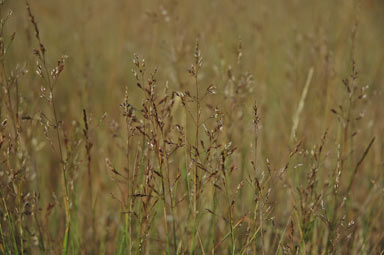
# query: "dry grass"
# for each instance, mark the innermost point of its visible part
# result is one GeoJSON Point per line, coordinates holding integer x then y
{"type": "Point", "coordinates": [242, 127]}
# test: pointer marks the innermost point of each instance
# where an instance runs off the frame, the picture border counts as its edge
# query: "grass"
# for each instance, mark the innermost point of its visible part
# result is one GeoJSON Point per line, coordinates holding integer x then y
{"type": "Point", "coordinates": [240, 128]}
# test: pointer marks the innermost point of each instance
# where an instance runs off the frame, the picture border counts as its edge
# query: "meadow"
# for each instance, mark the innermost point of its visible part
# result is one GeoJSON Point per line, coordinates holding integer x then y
{"type": "Point", "coordinates": [192, 127]}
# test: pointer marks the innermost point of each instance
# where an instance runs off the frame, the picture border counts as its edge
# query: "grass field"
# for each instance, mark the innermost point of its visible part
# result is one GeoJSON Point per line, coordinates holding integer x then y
{"type": "Point", "coordinates": [192, 127]}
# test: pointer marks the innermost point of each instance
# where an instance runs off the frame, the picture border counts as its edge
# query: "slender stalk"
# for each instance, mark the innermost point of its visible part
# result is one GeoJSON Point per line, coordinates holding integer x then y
{"type": "Point", "coordinates": [195, 72]}
{"type": "Point", "coordinates": [256, 120]}
{"type": "Point", "coordinates": [128, 229]}
{"type": "Point", "coordinates": [170, 196]}
{"type": "Point", "coordinates": [230, 207]}
{"type": "Point", "coordinates": [88, 147]}
{"type": "Point", "coordinates": [196, 147]}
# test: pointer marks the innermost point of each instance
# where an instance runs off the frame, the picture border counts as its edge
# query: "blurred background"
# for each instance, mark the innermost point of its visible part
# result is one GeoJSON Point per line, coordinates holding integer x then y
{"type": "Point", "coordinates": [280, 40]}
{"type": "Point", "coordinates": [253, 51]}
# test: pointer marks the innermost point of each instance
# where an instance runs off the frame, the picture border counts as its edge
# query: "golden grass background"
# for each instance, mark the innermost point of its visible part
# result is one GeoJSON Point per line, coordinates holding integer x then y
{"type": "Point", "coordinates": [254, 52]}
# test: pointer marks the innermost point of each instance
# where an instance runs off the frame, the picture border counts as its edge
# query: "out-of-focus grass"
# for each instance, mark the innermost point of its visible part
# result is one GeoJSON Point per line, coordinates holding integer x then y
{"type": "Point", "coordinates": [130, 173]}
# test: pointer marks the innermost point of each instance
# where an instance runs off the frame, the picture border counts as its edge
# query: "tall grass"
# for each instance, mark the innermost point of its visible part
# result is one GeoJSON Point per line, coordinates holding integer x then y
{"type": "Point", "coordinates": [240, 128]}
